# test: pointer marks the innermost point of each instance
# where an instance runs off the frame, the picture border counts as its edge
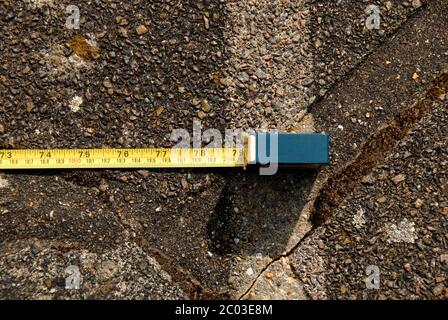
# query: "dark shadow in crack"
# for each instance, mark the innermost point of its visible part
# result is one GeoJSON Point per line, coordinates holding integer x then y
{"type": "Point", "coordinates": [257, 214]}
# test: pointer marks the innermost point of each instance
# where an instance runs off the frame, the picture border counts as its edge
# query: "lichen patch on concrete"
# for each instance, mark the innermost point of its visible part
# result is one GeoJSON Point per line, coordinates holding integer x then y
{"type": "Point", "coordinates": [75, 103]}
{"type": "Point", "coordinates": [401, 232]}
{"type": "Point", "coordinates": [83, 48]}
{"type": "Point", "coordinates": [3, 183]}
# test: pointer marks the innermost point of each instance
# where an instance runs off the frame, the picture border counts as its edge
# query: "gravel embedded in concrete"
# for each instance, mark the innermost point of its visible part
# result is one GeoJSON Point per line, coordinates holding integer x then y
{"type": "Point", "coordinates": [130, 75]}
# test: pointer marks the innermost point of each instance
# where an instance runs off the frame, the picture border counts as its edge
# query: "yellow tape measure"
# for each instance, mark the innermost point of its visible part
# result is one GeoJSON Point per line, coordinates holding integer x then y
{"type": "Point", "coordinates": [122, 158]}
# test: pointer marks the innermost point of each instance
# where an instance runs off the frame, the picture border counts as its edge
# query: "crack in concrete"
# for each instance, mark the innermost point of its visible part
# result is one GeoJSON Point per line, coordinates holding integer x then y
{"type": "Point", "coordinates": [276, 259]}
{"type": "Point", "coordinates": [188, 283]}
{"type": "Point", "coordinates": [413, 16]}
{"type": "Point", "coordinates": [375, 149]}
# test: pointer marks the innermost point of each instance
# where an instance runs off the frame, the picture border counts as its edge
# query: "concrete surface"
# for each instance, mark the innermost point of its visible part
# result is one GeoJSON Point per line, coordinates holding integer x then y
{"type": "Point", "coordinates": [137, 71]}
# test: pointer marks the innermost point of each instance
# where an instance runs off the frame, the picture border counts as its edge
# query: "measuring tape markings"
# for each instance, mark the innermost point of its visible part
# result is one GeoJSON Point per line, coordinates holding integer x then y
{"type": "Point", "coordinates": [122, 158]}
{"type": "Point", "coordinates": [289, 150]}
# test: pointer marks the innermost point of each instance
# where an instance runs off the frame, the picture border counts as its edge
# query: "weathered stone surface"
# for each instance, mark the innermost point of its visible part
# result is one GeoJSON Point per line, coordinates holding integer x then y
{"type": "Point", "coordinates": [255, 63]}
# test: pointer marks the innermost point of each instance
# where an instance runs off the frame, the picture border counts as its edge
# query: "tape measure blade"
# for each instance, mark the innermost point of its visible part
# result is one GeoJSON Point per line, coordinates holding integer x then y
{"type": "Point", "coordinates": [120, 158]}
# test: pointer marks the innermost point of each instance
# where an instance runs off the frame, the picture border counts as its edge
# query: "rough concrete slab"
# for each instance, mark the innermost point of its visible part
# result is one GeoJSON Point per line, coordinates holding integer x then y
{"type": "Point", "coordinates": [47, 207]}
{"type": "Point", "coordinates": [138, 87]}
{"type": "Point", "coordinates": [391, 80]}
{"type": "Point", "coordinates": [365, 102]}
{"type": "Point", "coordinates": [48, 224]}
{"type": "Point", "coordinates": [278, 282]}
{"type": "Point", "coordinates": [44, 269]}
{"type": "Point", "coordinates": [392, 226]}
{"type": "Point", "coordinates": [341, 40]}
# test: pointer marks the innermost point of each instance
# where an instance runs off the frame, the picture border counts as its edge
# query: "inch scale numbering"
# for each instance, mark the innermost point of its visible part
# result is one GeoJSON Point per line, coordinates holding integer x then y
{"type": "Point", "coordinates": [285, 149]}
{"type": "Point", "coordinates": [121, 158]}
